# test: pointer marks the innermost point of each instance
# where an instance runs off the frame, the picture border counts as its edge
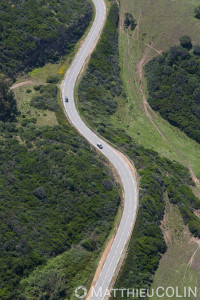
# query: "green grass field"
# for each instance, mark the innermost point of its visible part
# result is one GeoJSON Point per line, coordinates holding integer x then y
{"type": "Point", "coordinates": [179, 266]}
{"type": "Point", "coordinates": [44, 117]}
{"type": "Point", "coordinates": [160, 23]}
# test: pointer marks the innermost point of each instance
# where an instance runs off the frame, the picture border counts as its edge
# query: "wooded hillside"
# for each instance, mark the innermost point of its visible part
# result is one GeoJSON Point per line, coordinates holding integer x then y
{"type": "Point", "coordinates": [174, 86]}
{"type": "Point", "coordinates": [34, 32]}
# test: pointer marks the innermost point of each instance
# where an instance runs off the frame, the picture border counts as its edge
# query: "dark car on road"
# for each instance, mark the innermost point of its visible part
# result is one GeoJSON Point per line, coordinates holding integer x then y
{"type": "Point", "coordinates": [66, 99]}
{"type": "Point", "coordinates": [99, 145]}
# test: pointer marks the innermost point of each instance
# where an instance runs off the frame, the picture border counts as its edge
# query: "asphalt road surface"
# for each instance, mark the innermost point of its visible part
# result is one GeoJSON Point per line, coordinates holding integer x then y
{"type": "Point", "coordinates": [129, 184]}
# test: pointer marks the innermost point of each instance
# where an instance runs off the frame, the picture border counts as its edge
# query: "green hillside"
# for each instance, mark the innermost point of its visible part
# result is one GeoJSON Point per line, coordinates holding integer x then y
{"type": "Point", "coordinates": [137, 48]}
{"type": "Point", "coordinates": [34, 32]}
{"type": "Point", "coordinates": [48, 199]}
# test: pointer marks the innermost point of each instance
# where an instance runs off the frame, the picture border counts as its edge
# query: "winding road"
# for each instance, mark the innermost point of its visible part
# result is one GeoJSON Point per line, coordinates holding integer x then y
{"type": "Point", "coordinates": [121, 165]}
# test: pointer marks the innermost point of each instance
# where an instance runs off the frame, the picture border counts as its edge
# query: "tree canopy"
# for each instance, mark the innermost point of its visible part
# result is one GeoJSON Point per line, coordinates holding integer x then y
{"type": "Point", "coordinates": [197, 12]}
{"type": "Point", "coordinates": [185, 42]}
{"type": "Point", "coordinates": [8, 107]}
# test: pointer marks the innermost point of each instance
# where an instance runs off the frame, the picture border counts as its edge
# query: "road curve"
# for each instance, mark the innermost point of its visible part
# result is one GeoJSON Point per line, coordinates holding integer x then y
{"type": "Point", "coordinates": [121, 165]}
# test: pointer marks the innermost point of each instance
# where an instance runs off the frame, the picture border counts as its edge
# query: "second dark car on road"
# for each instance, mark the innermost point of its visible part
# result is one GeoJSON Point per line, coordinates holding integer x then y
{"type": "Point", "coordinates": [99, 145]}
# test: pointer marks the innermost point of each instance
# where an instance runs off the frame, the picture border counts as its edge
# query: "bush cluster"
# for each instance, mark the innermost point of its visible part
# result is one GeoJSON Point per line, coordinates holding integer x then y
{"type": "Point", "coordinates": [129, 21]}
{"type": "Point", "coordinates": [47, 98]}
{"type": "Point", "coordinates": [53, 79]}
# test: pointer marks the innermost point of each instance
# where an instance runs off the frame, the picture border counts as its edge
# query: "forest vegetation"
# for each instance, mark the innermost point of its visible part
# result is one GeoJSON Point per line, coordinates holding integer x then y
{"type": "Point", "coordinates": [42, 32]}
{"type": "Point", "coordinates": [173, 80]}
{"type": "Point", "coordinates": [48, 200]}
{"type": "Point", "coordinates": [8, 106]}
{"type": "Point", "coordinates": [35, 32]}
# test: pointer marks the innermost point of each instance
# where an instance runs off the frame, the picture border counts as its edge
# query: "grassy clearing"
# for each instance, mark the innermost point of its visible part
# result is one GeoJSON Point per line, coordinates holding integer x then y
{"type": "Point", "coordinates": [160, 24]}
{"type": "Point", "coordinates": [44, 117]}
{"type": "Point", "coordinates": [178, 266]}
{"type": "Point", "coordinates": [38, 76]}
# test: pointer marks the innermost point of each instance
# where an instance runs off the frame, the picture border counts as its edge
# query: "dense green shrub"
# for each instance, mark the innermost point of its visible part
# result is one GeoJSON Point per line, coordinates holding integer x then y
{"type": "Point", "coordinates": [185, 42]}
{"type": "Point", "coordinates": [194, 227]}
{"type": "Point", "coordinates": [37, 87]}
{"type": "Point", "coordinates": [8, 107]}
{"type": "Point", "coordinates": [129, 21]}
{"type": "Point", "coordinates": [47, 99]}
{"type": "Point", "coordinates": [39, 193]}
{"type": "Point", "coordinates": [28, 121]}
{"type": "Point", "coordinates": [53, 79]}
{"type": "Point", "coordinates": [196, 50]}
{"type": "Point", "coordinates": [197, 12]}
{"type": "Point", "coordinates": [187, 203]}
{"type": "Point", "coordinates": [89, 245]}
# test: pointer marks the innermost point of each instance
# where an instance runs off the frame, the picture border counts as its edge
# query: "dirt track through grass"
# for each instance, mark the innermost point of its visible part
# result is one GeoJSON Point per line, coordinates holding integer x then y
{"type": "Point", "coordinates": [179, 266]}
{"type": "Point", "coordinates": [160, 23]}
{"type": "Point", "coordinates": [159, 26]}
